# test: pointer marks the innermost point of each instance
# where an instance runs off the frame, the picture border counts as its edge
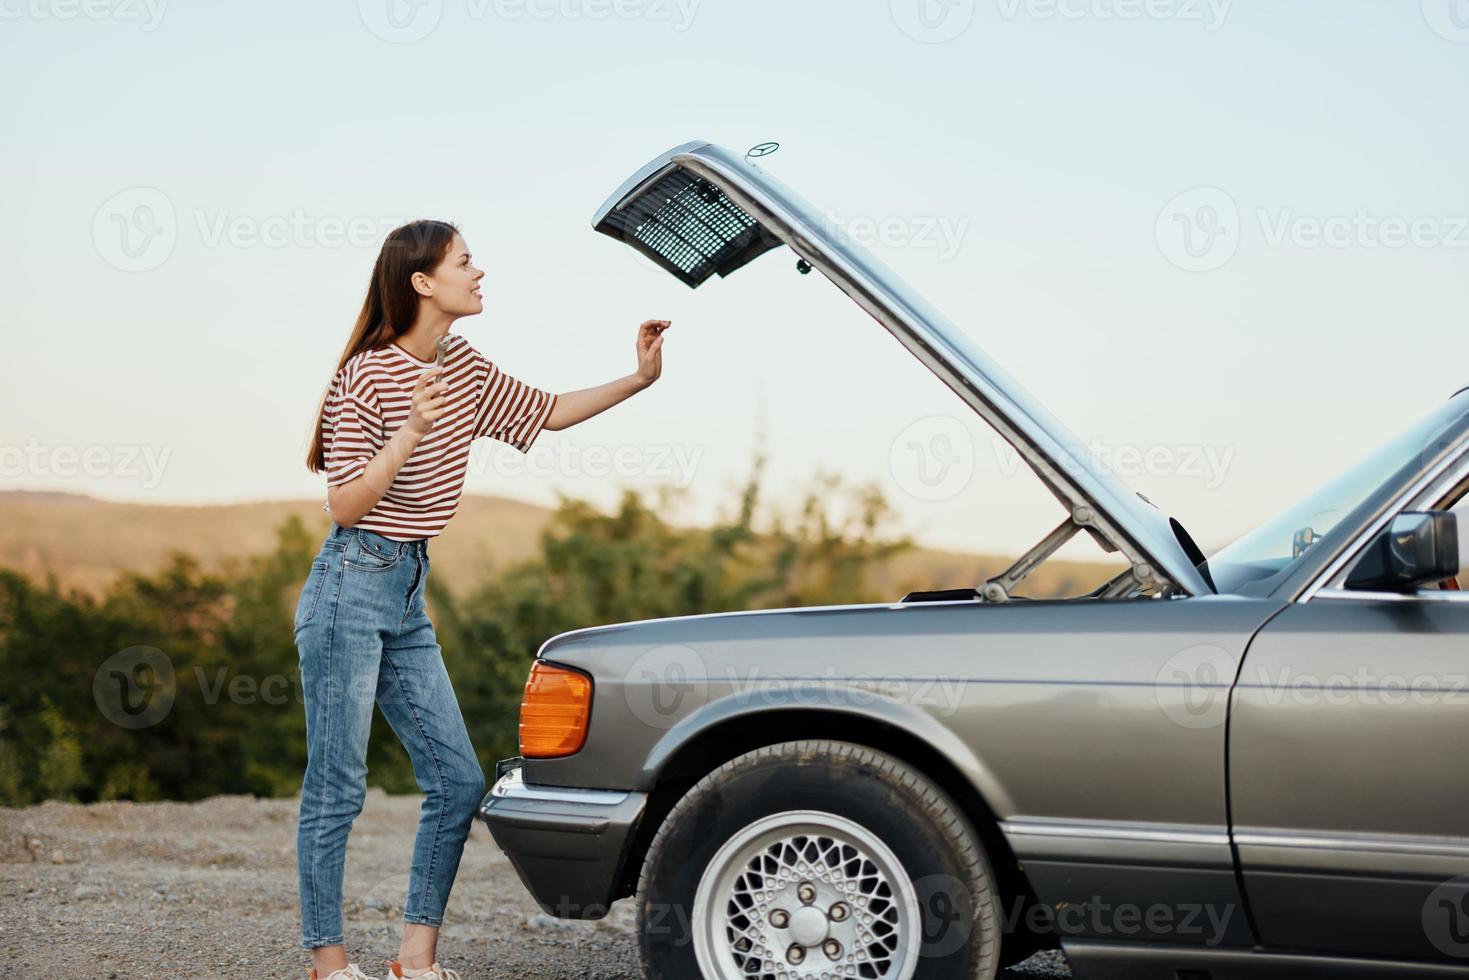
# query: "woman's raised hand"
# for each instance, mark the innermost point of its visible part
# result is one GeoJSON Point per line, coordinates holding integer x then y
{"type": "Point", "coordinates": [650, 349]}
{"type": "Point", "coordinates": [430, 401]}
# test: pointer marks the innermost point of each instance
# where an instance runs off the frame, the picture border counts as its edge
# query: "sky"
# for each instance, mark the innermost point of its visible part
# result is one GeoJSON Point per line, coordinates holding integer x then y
{"type": "Point", "coordinates": [1225, 242]}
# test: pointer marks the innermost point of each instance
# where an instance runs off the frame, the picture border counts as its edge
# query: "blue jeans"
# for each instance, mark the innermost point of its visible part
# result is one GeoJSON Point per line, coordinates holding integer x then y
{"type": "Point", "coordinates": [363, 637]}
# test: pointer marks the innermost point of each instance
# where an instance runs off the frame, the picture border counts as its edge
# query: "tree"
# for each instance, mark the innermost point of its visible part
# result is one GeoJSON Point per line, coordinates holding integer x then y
{"type": "Point", "coordinates": [184, 683]}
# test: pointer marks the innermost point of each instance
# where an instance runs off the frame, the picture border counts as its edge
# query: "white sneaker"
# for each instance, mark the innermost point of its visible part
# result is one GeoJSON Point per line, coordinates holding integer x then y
{"type": "Point", "coordinates": [350, 973]}
{"type": "Point", "coordinates": [434, 972]}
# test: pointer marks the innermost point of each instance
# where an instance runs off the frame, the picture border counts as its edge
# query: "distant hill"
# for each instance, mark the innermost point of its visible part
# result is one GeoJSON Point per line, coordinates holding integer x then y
{"type": "Point", "coordinates": [86, 542]}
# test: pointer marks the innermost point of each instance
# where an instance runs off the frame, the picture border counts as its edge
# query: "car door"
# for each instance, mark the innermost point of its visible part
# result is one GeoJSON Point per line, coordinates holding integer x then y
{"type": "Point", "coordinates": [1349, 767]}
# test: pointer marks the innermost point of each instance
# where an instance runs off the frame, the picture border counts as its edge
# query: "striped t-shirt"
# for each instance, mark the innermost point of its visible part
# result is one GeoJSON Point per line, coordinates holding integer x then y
{"type": "Point", "coordinates": [369, 400]}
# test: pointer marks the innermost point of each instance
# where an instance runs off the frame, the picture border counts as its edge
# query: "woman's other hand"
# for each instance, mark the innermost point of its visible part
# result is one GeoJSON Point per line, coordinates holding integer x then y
{"type": "Point", "coordinates": [650, 349]}
{"type": "Point", "coordinates": [430, 401]}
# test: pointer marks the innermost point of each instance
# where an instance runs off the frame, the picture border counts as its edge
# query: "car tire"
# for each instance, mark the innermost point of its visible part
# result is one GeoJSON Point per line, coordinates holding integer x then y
{"type": "Point", "coordinates": [846, 853]}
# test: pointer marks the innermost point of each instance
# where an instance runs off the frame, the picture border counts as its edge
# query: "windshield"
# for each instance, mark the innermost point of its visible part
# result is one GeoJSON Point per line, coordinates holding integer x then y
{"type": "Point", "coordinates": [1273, 546]}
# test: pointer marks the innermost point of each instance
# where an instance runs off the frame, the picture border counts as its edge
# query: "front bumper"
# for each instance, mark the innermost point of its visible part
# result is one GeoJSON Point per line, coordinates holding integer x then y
{"type": "Point", "coordinates": [568, 845]}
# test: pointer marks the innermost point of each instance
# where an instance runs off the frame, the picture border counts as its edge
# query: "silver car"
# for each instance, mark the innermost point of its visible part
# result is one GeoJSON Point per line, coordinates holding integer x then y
{"type": "Point", "coordinates": [1251, 765]}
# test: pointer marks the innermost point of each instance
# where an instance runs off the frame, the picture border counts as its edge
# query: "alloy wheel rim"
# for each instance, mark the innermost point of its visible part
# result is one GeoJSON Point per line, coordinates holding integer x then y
{"type": "Point", "coordinates": [806, 895]}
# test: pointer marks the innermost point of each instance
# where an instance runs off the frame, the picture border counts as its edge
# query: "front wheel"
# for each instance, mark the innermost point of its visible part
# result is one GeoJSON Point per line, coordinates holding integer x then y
{"type": "Point", "coordinates": [817, 859]}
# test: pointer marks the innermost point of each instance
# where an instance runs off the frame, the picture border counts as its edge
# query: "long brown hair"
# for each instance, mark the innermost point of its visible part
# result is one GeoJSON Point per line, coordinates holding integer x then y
{"type": "Point", "coordinates": [391, 305]}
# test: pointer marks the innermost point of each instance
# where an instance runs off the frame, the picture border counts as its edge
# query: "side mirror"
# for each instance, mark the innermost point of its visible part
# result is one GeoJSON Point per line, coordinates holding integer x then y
{"type": "Point", "coordinates": [1415, 549]}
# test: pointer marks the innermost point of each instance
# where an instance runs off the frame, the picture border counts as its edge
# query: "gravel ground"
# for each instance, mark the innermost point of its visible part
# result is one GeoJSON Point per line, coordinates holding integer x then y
{"type": "Point", "coordinates": [125, 891]}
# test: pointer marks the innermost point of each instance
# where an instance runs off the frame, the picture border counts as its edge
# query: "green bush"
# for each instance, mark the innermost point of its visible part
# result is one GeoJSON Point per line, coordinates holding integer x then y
{"type": "Point", "coordinates": [82, 678]}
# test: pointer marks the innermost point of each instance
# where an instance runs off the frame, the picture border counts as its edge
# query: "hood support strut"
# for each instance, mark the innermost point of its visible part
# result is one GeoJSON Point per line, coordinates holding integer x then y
{"type": "Point", "coordinates": [1002, 587]}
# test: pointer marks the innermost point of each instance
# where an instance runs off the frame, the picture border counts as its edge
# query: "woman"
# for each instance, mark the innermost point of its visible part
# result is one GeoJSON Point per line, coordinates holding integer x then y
{"type": "Point", "coordinates": [393, 436]}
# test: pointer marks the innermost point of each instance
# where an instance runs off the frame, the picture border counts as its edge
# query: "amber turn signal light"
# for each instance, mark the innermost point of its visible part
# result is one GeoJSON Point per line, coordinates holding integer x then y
{"type": "Point", "coordinates": [554, 712]}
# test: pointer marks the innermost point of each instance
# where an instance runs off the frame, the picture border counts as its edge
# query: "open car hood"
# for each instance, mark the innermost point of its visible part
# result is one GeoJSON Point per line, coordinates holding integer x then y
{"type": "Point", "coordinates": [700, 209]}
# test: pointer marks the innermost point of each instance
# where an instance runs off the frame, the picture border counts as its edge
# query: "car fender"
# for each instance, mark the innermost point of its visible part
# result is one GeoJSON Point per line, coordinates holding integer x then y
{"type": "Point", "coordinates": [847, 700]}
